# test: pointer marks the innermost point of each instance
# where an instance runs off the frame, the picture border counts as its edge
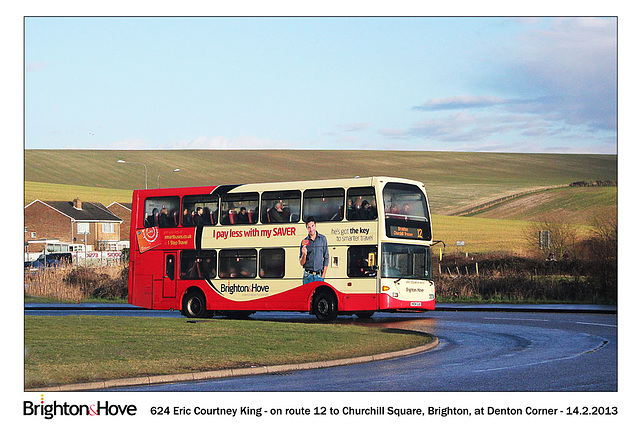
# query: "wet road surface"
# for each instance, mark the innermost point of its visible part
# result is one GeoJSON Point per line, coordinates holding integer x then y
{"type": "Point", "coordinates": [478, 351]}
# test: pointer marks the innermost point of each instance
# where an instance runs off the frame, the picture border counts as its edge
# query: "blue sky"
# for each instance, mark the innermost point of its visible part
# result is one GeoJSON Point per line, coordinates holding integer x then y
{"type": "Point", "coordinates": [453, 84]}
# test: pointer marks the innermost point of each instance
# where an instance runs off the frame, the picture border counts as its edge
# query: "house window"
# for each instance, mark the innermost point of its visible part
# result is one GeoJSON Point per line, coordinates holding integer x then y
{"type": "Point", "coordinates": [108, 227]}
{"type": "Point", "coordinates": [107, 246]}
{"type": "Point", "coordinates": [83, 228]}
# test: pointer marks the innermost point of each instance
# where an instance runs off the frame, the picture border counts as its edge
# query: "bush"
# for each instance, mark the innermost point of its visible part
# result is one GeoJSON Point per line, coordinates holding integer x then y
{"type": "Point", "coordinates": [112, 288]}
{"type": "Point", "coordinates": [98, 282]}
{"type": "Point", "coordinates": [510, 278]}
{"type": "Point", "coordinates": [78, 283]}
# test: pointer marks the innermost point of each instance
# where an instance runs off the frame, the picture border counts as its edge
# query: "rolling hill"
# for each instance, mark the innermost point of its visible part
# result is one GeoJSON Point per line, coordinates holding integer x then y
{"type": "Point", "coordinates": [455, 182]}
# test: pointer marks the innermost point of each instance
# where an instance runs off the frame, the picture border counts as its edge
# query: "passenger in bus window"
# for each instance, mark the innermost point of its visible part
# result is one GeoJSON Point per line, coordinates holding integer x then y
{"type": "Point", "coordinates": [207, 269]}
{"type": "Point", "coordinates": [207, 217]}
{"type": "Point", "coordinates": [279, 214]}
{"type": "Point", "coordinates": [366, 212]}
{"type": "Point", "coordinates": [229, 272]}
{"type": "Point", "coordinates": [198, 219]}
{"type": "Point", "coordinates": [352, 209]}
{"type": "Point", "coordinates": [247, 268]}
{"type": "Point", "coordinates": [228, 214]}
{"type": "Point", "coordinates": [393, 210]}
{"type": "Point", "coordinates": [148, 221]}
{"type": "Point", "coordinates": [187, 220]}
{"type": "Point", "coordinates": [243, 216]}
{"type": "Point", "coordinates": [154, 218]}
{"type": "Point", "coordinates": [202, 269]}
{"type": "Point", "coordinates": [163, 220]}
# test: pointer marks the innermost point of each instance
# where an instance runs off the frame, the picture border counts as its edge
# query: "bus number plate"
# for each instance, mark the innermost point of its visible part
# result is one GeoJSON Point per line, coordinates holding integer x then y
{"type": "Point", "coordinates": [416, 304]}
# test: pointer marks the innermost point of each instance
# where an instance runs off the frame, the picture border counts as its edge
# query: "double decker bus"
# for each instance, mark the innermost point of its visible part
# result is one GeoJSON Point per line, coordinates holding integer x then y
{"type": "Point", "coordinates": [235, 249]}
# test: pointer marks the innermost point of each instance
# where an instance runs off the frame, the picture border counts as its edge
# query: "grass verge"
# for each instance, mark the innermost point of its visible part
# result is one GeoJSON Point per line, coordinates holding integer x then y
{"type": "Point", "coordinates": [74, 349]}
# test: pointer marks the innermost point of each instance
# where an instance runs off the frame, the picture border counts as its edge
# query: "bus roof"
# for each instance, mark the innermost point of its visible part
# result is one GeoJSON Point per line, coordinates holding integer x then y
{"type": "Point", "coordinates": [284, 185]}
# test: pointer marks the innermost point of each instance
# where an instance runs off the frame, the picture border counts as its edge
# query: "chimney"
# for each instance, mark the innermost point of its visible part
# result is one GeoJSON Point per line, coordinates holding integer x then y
{"type": "Point", "coordinates": [77, 203]}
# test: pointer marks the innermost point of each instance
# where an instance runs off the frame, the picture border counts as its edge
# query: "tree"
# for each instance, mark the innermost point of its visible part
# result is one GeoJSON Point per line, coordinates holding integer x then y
{"type": "Point", "coordinates": [562, 237]}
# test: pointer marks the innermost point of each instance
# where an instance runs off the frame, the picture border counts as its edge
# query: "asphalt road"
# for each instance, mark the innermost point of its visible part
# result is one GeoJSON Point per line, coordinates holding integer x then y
{"type": "Point", "coordinates": [479, 351]}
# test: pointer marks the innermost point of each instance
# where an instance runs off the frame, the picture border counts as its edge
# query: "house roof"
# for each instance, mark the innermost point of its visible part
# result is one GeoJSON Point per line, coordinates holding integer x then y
{"type": "Point", "coordinates": [90, 211]}
{"type": "Point", "coordinates": [124, 205]}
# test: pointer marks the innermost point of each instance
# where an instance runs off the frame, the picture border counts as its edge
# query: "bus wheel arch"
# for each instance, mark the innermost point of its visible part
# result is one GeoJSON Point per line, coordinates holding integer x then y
{"type": "Point", "coordinates": [324, 304]}
{"type": "Point", "coordinates": [194, 304]}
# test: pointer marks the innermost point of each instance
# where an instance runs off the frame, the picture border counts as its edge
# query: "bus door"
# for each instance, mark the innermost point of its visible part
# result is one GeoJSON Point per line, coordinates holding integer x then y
{"type": "Point", "coordinates": [170, 273]}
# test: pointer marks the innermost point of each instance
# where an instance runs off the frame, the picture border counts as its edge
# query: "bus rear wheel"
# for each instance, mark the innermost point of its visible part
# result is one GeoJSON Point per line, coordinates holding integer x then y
{"type": "Point", "coordinates": [194, 305]}
{"type": "Point", "coordinates": [325, 306]}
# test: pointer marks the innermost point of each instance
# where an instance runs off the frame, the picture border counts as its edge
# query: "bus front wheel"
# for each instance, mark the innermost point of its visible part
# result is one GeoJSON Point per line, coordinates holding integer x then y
{"type": "Point", "coordinates": [325, 306]}
{"type": "Point", "coordinates": [194, 305]}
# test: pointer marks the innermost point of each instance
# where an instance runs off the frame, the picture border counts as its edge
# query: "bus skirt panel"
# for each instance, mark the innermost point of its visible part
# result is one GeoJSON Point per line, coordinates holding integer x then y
{"type": "Point", "coordinates": [296, 299]}
{"type": "Point", "coordinates": [389, 303]}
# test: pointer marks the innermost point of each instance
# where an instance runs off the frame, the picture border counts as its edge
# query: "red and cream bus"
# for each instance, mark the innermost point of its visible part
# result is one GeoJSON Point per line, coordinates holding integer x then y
{"type": "Point", "coordinates": [235, 249]}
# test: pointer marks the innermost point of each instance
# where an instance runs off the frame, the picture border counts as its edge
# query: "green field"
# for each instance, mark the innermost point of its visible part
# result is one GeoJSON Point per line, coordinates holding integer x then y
{"type": "Point", "coordinates": [576, 205]}
{"type": "Point", "coordinates": [47, 191]}
{"type": "Point", "coordinates": [91, 348]}
{"type": "Point", "coordinates": [481, 235]}
{"type": "Point", "coordinates": [454, 181]}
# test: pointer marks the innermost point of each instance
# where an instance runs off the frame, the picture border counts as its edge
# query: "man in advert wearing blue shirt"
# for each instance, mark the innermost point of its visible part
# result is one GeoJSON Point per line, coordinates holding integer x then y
{"type": "Point", "coordinates": [314, 254]}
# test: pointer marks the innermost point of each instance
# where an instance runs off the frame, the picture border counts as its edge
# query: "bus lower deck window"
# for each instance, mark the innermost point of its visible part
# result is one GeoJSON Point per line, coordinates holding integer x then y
{"type": "Point", "coordinates": [238, 263]}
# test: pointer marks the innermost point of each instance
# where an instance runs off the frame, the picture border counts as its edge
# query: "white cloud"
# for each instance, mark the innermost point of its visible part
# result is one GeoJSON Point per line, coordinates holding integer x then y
{"type": "Point", "coordinates": [557, 90]}
{"type": "Point", "coordinates": [34, 66]}
{"type": "Point", "coordinates": [570, 67]}
{"type": "Point", "coordinates": [130, 144]}
{"type": "Point", "coordinates": [353, 127]}
{"type": "Point", "coordinates": [459, 102]}
{"type": "Point", "coordinates": [242, 142]}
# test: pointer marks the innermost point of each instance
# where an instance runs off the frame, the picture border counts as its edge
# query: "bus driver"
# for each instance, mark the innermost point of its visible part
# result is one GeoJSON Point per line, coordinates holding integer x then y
{"type": "Point", "coordinates": [314, 254]}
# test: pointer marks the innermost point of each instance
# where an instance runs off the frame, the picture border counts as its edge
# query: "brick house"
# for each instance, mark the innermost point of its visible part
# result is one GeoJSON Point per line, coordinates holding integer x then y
{"type": "Point", "coordinates": [70, 222]}
{"type": "Point", "coordinates": [122, 210]}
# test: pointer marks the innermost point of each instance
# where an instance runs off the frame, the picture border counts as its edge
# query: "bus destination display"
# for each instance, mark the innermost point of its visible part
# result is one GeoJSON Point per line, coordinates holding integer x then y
{"type": "Point", "coordinates": [406, 232]}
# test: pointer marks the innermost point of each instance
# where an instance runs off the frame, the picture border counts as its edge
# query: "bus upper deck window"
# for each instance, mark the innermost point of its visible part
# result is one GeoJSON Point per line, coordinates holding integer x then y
{"type": "Point", "coordinates": [361, 204]}
{"type": "Point", "coordinates": [405, 201]}
{"type": "Point", "coordinates": [280, 206]}
{"type": "Point", "coordinates": [324, 204]}
{"type": "Point", "coordinates": [161, 211]}
{"type": "Point", "coordinates": [239, 208]}
{"type": "Point", "coordinates": [199, 210]}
